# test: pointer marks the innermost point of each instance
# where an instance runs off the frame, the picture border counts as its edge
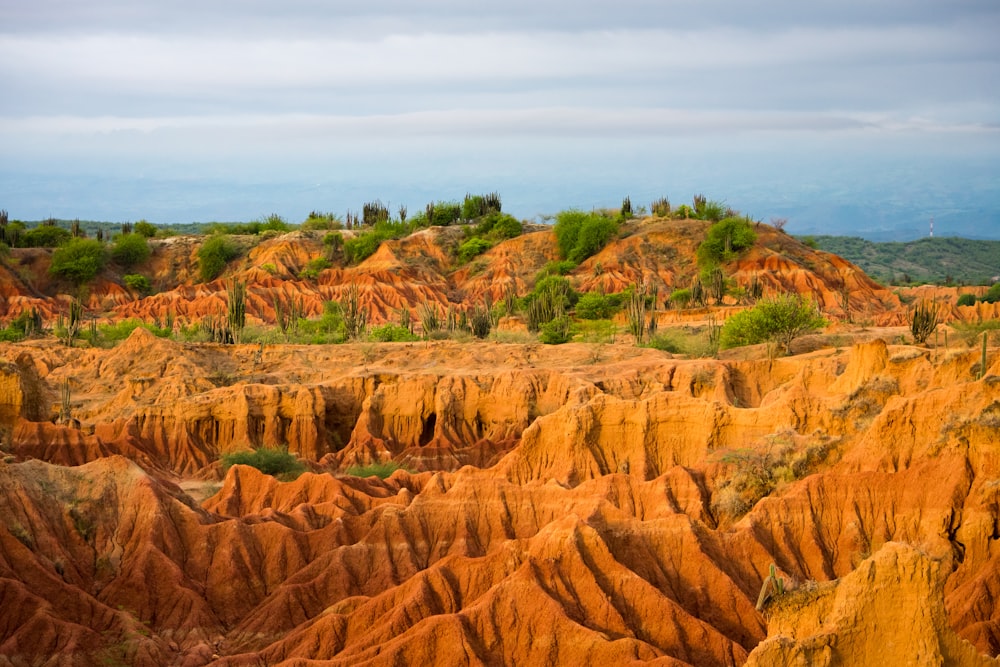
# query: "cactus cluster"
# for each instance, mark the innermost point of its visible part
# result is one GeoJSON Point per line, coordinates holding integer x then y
{"type": "Point", "coordinates": [923, 321]}
{"type": "Point", "coordinates": [773, 586]}
{"type": "Point", "coordinates": [373, 213]}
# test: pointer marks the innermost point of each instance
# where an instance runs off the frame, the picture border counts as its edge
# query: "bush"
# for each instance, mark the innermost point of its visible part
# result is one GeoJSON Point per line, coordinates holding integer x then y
{"type": "Point", "coordinates": [130, 249]}
{"type": "Point", "coordinates": [380, 470]}
{"type": "Point", "coordinates": [681, 297]}
{"type": "Point", "coordinates": [992, 294]}
{"type": "Point", "coordinates": [111, 334]}
{"type": "Point", "coordinates": [581, 235]}
{"type": "Point", "coordinates": [144, 228]}
{"type": "Point", "coordinates": [507, 227]}
{"type": "Point", "coordinates": [44, 236]}
{"type": "Point", "coordinates": [473, 248]}
{"type": "Point", "coordinates": [213, 256]}
{"type": "Point", "coordinates": [597, 306]}
{"type": "Point", "coordinates": [313, 268]}
{"type": "Point", "coordinates": [270, 461]}
{"type": "Point", "coordinates": [724, 241]}
{"type": "Point", "coordinates": [138, 283]}
{"type": "Point", "coordinates": [779, 320]}
{"type": "Point", "coordinates": [557, 268]}
{"type": "Point", "coordinates": [966, 300]}
{"type": "Point", "coordinates": [78, 260]}
{"type": "Point", "coordinates": [555, 332]}
{"type": "Point", "coordinates": [392, 333]}
{"type": "Point", "coordinates": [364, 245]}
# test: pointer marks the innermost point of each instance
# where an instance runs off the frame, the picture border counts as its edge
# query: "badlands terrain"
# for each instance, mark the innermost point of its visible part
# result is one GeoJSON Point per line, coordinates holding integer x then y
{"type": "Point", "coordinates": [590, 503]}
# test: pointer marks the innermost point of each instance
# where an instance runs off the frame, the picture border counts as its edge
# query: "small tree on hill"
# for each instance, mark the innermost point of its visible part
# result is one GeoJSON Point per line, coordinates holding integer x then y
{"type": "Point", "coordinates": [78, 260]}
{"type": "Point", "coordinates": [780, 320]}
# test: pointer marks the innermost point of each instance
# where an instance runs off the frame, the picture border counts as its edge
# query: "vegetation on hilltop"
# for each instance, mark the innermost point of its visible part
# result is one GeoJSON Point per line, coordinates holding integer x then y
{"type": "Point", "coordinates": [940, 260]}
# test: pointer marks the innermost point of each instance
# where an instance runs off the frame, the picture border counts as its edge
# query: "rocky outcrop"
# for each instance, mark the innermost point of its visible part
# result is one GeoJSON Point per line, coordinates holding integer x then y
{"type": "Point", "coordinates": [887, 611]}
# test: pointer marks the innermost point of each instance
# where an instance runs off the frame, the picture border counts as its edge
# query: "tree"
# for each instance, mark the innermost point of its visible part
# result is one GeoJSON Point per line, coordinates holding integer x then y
{"type": "Point", "coordinates": [581, 235]}
{"type": "Point", "coordinates": [724, 241]}
{"type": "Point", "coordinates": [130, 249]}
{"type": "Point", "coordinates": [780, 320]}
{"type": "Point", "coordinates": [78, 260]}
{"type": "Point", "coordinates": [213, 256]}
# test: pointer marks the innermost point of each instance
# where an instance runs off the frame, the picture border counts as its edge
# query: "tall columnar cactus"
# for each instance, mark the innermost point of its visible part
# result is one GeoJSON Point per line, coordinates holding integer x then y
{"type": "Point", "coordinates": [635, 312]}
{"type": "Point", "coordinates": [923, 321]}
{"type": "Point", "coordinates": [982, 357]}
{"type": "Point", "coordinates": [73, 323]}
{"type": "Point", "coordinates": [355, 317]}
{"type": "Point", "coordinates": [236, 309]}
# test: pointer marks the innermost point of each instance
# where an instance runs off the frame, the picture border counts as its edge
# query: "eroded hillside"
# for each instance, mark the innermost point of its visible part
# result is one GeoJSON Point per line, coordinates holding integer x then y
{"type": "Point", "coordinates": [553, 504]}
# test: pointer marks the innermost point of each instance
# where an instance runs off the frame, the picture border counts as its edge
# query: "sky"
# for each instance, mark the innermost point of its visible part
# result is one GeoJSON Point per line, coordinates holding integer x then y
{"type": "Point", "coordinates": [843, 117]}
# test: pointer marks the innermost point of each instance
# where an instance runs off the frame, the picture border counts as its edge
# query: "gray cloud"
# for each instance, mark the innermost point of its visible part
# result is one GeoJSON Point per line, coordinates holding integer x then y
{"type": "Point", "coordinates": [190, 82]}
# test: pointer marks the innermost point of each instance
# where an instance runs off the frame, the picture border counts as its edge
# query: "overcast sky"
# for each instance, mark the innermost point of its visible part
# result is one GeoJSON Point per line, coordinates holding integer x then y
{"type": "Point", "coordinates": [198, 110]}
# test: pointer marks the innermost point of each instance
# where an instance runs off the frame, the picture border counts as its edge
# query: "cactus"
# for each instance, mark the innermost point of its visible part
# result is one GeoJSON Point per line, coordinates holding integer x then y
{"type": "Point", "coordinates": [635, 312]}
{"type": "Point", "coordinates": [755, 289]}
{"type": "Point", "coordinates": [481, 321]}
{"type": "Point", "coordinates": [510, 299]}
{"type": "Point", "coordinates": [373, 213]}
{"type": "Point", "coordinates": [430, 321]}
{"type": "Point", "coordinates": [773, 586]}
{"type": "Point", "coordinates": [661, 207]}
{"type": "Point", "coordinates": [236, 309]}
{"type": "Point", "coordinates": [982, 358]}
{"type": "Point", "coordinates": [65, 396]}
{"type": "Point", "coordinates": [697, 291]}
{"type": "Point", "coordinates": [73, 324]}
{"type": "Point", "coordinates": [405, 320]}
{"type": "Point", "coordinates": [627, 208]}
{"type": "Point", "coordinates": [717, 284]}
{"type": "Point", "coordinates": [355, 317]}
{"type": "Point", "coordinates": [923, 321]}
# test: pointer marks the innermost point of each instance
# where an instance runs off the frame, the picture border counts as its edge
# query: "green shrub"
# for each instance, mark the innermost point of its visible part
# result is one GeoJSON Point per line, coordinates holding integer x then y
{"type": "Point", "coordinates": [214, 254]}
{"type": "Point", "coordinates": [380, 470]}
{"type": "Point", "coordinates": [313, 268]}
{"type": "Point", "coordinates": [667, 341]}
{"type": "Point", "coordinates": [709, 209]}
{"type": "Point", "coordinates": [681, 297]}
{"type": "Point", "coordinates": [966, 300]}
{"type": "Point", "coordinates": [581, 235]}
{"type": "Point", "coordinates": [724, 241]}
{"type": "Point", "coordinates": [506, 227]}
{"type": "Point", "coordinates": [364, 245]}
{"type": "Point", "coordinates": [130, 249]}
{"type": "Point", "coordinates": [780, 319]}
{"type": "Point", "coordinates": [270, 461]}
{"type": "Point", "coordinates": [557, 268]}
{"type": "Point", "coordinates": [112, 334]}
{"type": "Point", "coordinates": [992, 294]}
{"type": "Point", "coordinates": [137, 282]}
{"type": "Point", "coordinates": [78, 260]}
{"type": "Point", "coordinates": [556, 331]}
{"type": "Point", "coordinates": [597, 306]}
{"type": "Point", "coordinates": [44, 236]}
{"type": "Point", "coordinates": [144, 228]}
{"type": "Point", "coordinates": [473, 248]}
{"type": "Point", "coordinates": [392, 333]}
{"type": "Point", "coordinates": [499, 226]}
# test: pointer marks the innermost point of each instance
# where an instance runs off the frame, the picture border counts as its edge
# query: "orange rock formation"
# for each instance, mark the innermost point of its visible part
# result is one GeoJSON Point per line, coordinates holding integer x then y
{"type": "Point", "coordinates": [572, 504]}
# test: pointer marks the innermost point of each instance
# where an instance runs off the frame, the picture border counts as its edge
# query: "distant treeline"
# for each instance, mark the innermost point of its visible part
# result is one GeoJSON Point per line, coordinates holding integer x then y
{"type": "Point", "coordinates": [943, 260]}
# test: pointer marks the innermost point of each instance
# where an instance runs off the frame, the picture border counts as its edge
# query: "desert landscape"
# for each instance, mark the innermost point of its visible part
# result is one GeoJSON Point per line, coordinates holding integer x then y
{"type": "Point", "coordinates": [489, 442]}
